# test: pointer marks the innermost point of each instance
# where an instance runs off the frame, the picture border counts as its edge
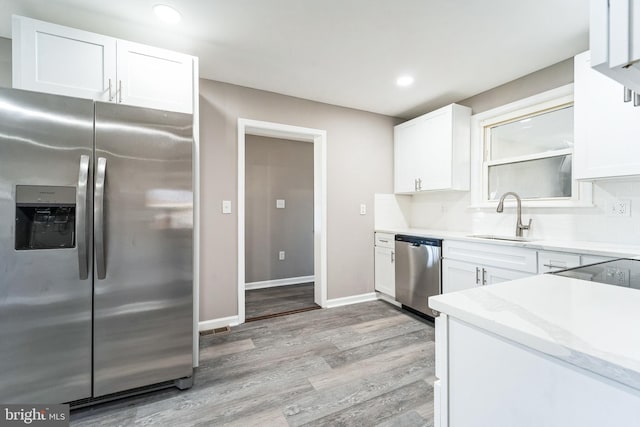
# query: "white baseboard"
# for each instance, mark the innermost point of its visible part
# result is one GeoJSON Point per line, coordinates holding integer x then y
{"type": "Point", "coordinates": [206, 325]}
{"type": "Point", "coordinates": [388, 299]}
{"type": "Point", "coordinates": [337, 302]}
{"type": "Point", "coordinates": [279, 282]}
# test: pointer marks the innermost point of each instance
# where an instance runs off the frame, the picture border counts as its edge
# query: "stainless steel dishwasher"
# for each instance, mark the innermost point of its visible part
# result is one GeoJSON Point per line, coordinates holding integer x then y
{"type": "Point", "coordinates": [418, 271]}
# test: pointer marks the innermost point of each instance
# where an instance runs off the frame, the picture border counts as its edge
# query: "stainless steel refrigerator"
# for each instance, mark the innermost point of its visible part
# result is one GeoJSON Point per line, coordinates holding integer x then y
{"type": "Point", "coordinates": [96, 248]}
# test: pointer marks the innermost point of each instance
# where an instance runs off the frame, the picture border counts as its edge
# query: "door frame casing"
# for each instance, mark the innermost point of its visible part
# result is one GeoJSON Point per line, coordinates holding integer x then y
{"type": "Point", "coordinates": [318, 138]}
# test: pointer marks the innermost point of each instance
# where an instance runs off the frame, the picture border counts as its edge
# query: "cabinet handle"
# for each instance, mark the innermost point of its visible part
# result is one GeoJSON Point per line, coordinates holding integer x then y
{"type": "Point", "coordinates": [420, 184]}
{"type": "Point", "coordinates": [627, 94]}
{"type": "Point", "coordinates": [384, 241]}
{"type": "Point", "coordinates": [636, 99]}
{"type": "Point", "coordinates": [120, 91]}
{"type": "Point", "coordinates": [393, 257]}
{"type": "Point", "coordinates": [110, 93]}
{"type": "Point", "coordinates": [477, 275]}
{"type": "Point", "coordinates": [415, 184]}
{"type": "Point", "coordinates": [554, 266]}
{"type": "Point", "coordinates": [484, 277]}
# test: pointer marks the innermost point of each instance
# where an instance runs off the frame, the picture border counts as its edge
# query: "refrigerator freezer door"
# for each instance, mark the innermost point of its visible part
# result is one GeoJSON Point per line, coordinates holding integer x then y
{"type": "Point", "coordinates": [143, 304]}
{"type": "Point", "coordinates": [46, 142]}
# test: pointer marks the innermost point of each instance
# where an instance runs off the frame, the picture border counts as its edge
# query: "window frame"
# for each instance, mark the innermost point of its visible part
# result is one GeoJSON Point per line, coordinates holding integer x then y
{"type": "Point", "coordinates": [555, 99]}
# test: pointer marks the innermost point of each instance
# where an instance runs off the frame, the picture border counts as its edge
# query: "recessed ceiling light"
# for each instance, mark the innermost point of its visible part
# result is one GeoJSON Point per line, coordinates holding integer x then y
{"type": "Point", "coordinates": [167, 14]}
{"type": "Point", "coordinates": [404, 81]}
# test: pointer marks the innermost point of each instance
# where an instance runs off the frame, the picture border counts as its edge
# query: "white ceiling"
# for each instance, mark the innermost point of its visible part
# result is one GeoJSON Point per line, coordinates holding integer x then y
{"type": "Point", "coordinates": [344, 52]}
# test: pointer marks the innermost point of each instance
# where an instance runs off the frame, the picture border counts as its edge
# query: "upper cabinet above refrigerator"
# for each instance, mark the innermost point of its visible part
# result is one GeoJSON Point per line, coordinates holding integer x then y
{"type": "Point", "coordinates": [55, 59]}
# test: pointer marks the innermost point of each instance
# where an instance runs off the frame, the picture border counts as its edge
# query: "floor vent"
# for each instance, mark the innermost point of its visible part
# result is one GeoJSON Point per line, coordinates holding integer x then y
{"type": "Point", "coordinates": [223, 330]}
{"type": "Point", "coordinates": [285, 313]}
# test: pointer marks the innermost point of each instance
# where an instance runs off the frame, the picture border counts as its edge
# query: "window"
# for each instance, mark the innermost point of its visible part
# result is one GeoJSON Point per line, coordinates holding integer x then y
{"type": "Point", "coordinates": [527, 147]}
{"type": "Point", "coordinates": [530, 155]}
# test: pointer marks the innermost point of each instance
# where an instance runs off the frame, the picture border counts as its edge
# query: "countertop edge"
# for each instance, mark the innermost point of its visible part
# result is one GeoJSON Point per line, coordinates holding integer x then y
{"type": "Point", "coordinates": [598, 248]}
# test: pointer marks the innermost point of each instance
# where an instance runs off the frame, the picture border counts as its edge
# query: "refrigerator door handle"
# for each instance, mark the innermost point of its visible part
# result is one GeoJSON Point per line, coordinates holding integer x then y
{"type": "Point", "coordinates": [98, 220]}
{"type": "Point", "coordinates": [81, 231]}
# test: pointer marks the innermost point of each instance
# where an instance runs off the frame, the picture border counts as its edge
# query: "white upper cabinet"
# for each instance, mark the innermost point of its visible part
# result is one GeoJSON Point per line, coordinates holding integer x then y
{"type": "Point", "coordinates": [154, 78]}
{"type": "Point", "coordinates": [606, 128]}
{"type": "Point", "coordinates": [55, 59]}
{"type": "Point", "coordinates": [60, 60]}
{"type": "Point", "coordinates": [614, 41]}
{"type": "Point", "coordinates": [431, 152]}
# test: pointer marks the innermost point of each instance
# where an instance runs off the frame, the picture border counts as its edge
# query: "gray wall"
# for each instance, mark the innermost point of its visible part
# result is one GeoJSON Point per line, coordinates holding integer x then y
{"type": "Point", "coordinates": [540, 81]}
{"type": "Point", "coordinates": [359, 162]}
{"type": "Point", "coordinates": [278, 169]}
{"type": "Point", "coordinates": [5, 62]}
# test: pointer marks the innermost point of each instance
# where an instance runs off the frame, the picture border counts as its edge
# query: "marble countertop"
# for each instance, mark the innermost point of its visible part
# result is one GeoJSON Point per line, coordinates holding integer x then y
{"type": "Point", "coordinates": [590, 248]}
{"type": "Point", "coordinates": [590, 325]}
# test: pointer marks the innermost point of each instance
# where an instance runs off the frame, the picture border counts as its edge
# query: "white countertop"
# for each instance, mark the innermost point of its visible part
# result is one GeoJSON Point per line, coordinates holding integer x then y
{"type": "Point", "coordinates": [590, 325]}
{"type": "Point", "coordinates": [590, 248]}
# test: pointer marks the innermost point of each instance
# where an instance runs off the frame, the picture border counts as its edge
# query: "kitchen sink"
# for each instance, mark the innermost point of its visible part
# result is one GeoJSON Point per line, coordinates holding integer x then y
{"type": "Point", "coordinates": [494, 237]}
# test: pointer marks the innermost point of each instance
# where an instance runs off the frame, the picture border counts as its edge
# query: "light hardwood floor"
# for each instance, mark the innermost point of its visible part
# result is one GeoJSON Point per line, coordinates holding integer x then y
{"type": "Point", "coordinates": [366, 364]}
{"type": "Point", "coordinates": [280, 299]}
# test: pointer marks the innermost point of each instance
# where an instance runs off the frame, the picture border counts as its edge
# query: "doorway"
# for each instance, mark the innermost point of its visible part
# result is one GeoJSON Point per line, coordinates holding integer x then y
{"type": "Point", "coordinates": [272, 285]}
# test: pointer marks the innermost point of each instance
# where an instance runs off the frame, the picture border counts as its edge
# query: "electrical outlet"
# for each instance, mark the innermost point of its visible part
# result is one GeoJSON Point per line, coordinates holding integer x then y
{"type": "Point", "coordinates": [620, 207]}
{"type": "Point", "coordinates": [280, 204]}
{"type": "Point", "coordinates": [617, 276]}
{"type": "Point", "coordinates": [281, 256]}
{"type": "Point", "coordinates": [363, 209]}
{"type": "Point", "coordinates": [226, 206]}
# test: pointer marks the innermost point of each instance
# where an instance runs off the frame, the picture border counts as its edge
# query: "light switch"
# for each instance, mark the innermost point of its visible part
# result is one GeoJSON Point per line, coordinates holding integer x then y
{"type": "Point", "coordinates": [226, 206]}
{"type": "Point", "coordinates": [280, 203]}
{"type": "Point", "coordinates": [363, 209]}
{"type": "Point", "coordinates": [281, 255]}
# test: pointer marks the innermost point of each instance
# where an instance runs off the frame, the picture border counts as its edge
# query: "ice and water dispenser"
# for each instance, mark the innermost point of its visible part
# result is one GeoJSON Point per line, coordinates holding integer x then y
{"type": "Point", "coordinates": [45, 217]}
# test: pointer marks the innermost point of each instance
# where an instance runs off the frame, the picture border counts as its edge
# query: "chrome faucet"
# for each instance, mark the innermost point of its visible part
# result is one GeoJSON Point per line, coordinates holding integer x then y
{"type": "Point", "coordinates": [519, 225]}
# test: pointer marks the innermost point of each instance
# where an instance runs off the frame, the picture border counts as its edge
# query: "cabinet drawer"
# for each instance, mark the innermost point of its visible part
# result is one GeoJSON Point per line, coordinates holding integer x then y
{"type": "Point", "coordinates": [385, 240]}
{"type": "Point", "coordinates": [554, 261]}
{"type": "Point", "coordinates": [512, 258]}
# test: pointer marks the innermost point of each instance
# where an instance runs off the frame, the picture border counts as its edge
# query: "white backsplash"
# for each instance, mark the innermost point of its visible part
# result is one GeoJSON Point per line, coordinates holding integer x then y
{"type": "Point", "coordinates": [451, 211]}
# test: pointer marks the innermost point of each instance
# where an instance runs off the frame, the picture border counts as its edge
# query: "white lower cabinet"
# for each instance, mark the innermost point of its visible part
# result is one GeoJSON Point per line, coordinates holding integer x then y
{"type": "Point", "coordinates": [555, 261]}
{"type": "Point", "coordinates": [460, 275]}
{"type": "Point", "coordinates": [385, 271]}
{"type": "Point", "coordinates": [467, 264]}
{"type": "Point", "coordinates": [385, 264]}
{"type": "Point", "coordinates": [493, 275]}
